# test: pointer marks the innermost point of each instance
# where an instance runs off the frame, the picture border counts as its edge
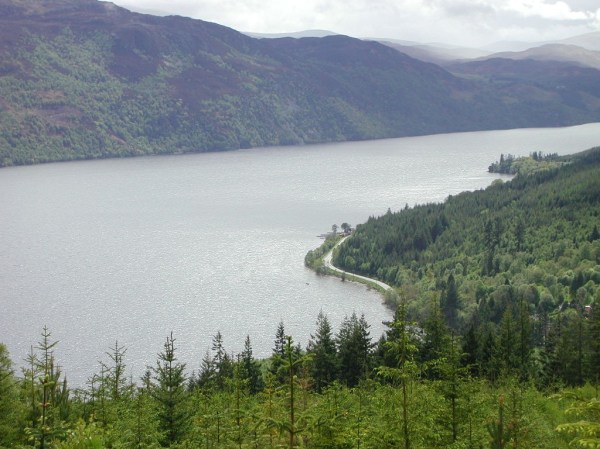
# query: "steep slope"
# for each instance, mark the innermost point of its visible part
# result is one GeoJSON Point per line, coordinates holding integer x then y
{"type": "Point", "coordinates": [536, 235]}
{"type": "Point", "coordinates": [552, 91]}
{"type": "Point", "coordinates": [87, 79]}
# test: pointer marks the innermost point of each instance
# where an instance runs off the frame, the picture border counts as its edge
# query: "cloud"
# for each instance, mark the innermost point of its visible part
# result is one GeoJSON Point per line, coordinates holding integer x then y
{"type": "Point", "coordinates": [465, 22]}
{"type": "Point", "coordinates": [547, 10]}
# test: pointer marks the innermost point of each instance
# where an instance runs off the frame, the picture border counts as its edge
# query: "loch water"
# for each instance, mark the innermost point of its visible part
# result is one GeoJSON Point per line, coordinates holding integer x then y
{"type": "Point", "coordinates": [129, 250]}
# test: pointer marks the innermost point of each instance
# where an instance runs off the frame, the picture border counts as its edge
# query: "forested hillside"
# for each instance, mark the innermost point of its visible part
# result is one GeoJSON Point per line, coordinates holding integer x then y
{"type": "Point", "coordinates": [87, 79]}
{"type": "Point", "coordinates": [515, 267]}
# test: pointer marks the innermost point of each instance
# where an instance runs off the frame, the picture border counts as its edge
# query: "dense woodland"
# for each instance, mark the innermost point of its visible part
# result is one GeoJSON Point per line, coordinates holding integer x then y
{"type": "Point", "coordinates": [412, 388]}
{"type": "Point", "coordinates": [537, 161]}
{"type": "Point", "coordinates": [495, 343]}
{"type": "Point", "coordinates": [520, 260]}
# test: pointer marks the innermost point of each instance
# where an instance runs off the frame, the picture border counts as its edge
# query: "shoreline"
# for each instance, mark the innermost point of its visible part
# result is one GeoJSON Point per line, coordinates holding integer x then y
{"type": "Point", "coordinates": [323, 265]}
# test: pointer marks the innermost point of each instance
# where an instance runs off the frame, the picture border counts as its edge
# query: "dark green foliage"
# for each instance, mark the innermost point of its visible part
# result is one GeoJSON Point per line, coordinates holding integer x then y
{"type": "Point", "coordinates": [524, 338]}
{"type": "Point", "coordinates": [451, 303]}
{"type": "Point", "coordinates": [354, 350]}
{"type": "Point", "coordinates": [249, 369]}
{"type": "Point", "coordinates": [322, 348]}
{"type": "Point", "coordinates": [570, 348]}
{"type": "Point", "coordinates": [492, 231]}
{"type": "Point", "coordinates": [515, 260]}
{"type": "Point", "coordinates": [207, 375]}
{"type": "Point", "coordinates": [593, 337]}
{"type": "Point", "coordinates": [402, 348]}
{"type": "Point", "coordinates": [12, 410]}
{"type": "Point", "coordinates": [595, 235]}
{"type": "Point", "coordinates": [168, 390]}
{"type": "Point", "coordinates": [278, 354]}
{"type": "Point", "coordinates": [222, 363]}
{"type": "Point", "coordinates": [435, 341]}
{"type": "Point", "coordinates": [470, 351]}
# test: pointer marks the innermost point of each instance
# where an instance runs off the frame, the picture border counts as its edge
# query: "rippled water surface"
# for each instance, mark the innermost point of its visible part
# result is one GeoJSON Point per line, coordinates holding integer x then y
{"type": "Point", "coordinates": [132, 249]}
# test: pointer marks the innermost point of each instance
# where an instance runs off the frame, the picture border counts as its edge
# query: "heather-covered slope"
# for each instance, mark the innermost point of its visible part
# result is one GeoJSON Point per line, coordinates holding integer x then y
{"type": "Point", "coordinates": [87, 79]}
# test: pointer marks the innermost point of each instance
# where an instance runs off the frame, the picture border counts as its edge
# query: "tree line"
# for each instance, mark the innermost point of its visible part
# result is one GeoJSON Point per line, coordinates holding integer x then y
{"type": "Point", "coordinates": [419, 385]}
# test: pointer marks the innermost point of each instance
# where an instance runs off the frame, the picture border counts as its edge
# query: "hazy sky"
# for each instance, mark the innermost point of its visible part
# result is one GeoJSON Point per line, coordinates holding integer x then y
{"type": "Point", "coordinates": [463, 22]}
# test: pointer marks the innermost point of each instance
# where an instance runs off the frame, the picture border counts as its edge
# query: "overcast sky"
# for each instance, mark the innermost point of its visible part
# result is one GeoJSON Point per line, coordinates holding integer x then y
{"type": "Point", "coordinates": [472, 23]}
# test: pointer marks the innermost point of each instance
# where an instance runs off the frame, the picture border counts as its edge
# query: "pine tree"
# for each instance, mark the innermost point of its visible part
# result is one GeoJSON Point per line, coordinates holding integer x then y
{"type": "Point", "coordinates": [492, 231]}
{"type": "Point", "coordinates": [490, 364]}
{"type": "Point", "coordinates": [570, 348]}
{"type": "Point", "coordinates": [290, 366]}
{"type": "Point", "coordinates": [507, 342]}
{"type": "Point", "coordinates": [403, 349]}
{"type": "Point", "coordinates": [115, 379]}
{"type": "Point", "coordinates": [48, 383]}
{"type": "Point", "coordinates": [470, 349]}
{"type": "Point", "coordinates": [135, 422]}
{"type": "Point", "coordinates": [278, 353]}
{"type": "Point", "coordinates": [354, 350]}
{"type": "Point", "coordinates": [489, 248]}
{"type": "Point", "coordinates": [435, 340]}
{"type": "Point", "coordinates": [452, 374]}
{"type": "Point", "coordinates": [524, 343]}
{"type": "Point", "coordinates": [239, 384]}
{"type": "Point", "coordinates": [222, 363]}
{"type": "Point", "coordinates": [49, 395]}
{"type": "Point", "coordinates": [324, 354]}
{"type": "Point", "coordinates": [280, 340]}
{"type": "Point", "coordinates": [168, 390]}
{"type": "Point", "coordinates": [250, 369]}
{"type": "Point", "coordinates": [206, 379]}
{"type": "Point", "coordinates": [450, 303]}
{"type": "Point", "coordinates": [520, 234]}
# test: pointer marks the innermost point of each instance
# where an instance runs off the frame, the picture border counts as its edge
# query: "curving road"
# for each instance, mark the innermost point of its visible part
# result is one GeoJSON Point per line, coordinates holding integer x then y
{"type": "Point", "coordinates": [328, 264]}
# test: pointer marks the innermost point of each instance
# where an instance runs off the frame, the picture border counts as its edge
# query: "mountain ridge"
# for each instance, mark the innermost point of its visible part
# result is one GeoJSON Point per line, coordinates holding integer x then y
{"type": "Point", "coordinates": [89, 79]}
{"type": "Point", "coordinates": [567, 53]}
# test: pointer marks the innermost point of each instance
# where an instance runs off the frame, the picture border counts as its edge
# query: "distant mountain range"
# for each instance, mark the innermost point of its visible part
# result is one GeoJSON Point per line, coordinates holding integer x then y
{"type": "Point", "coordinates": [295, 35]}
{"type": "Point", "coordinates": [583, 49]}
{"type": "Point", "coordinates": [570, 54]}
{"type": "Point", "coordinates": [87, 79]}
